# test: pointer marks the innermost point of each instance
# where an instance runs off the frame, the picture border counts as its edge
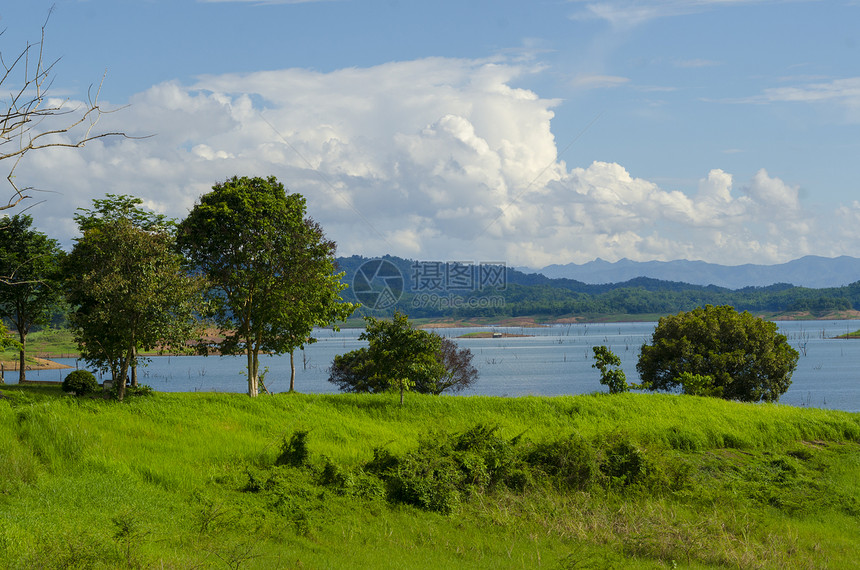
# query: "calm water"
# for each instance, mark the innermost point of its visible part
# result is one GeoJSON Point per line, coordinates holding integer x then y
{"type": "Point", "coordinates": [554, 360]}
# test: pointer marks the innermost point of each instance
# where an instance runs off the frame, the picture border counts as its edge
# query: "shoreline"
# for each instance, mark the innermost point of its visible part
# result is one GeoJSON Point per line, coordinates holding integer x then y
{"type": "Point", "coordinates": [44, 362]}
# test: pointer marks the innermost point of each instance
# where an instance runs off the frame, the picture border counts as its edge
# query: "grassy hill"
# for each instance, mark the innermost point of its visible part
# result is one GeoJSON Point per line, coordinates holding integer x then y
{"type": "Point", "coordinates": [321, 481]}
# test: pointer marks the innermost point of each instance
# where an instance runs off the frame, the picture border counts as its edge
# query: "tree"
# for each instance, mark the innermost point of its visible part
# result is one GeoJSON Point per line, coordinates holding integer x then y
{"type": "Point", "coordinates": [270, 269]}
{"type": "Point", "coordinates": [614, 378]}
{"type": "Point", "coordinates": [736, 353]}
{"type": "Point", "coordinates": [31, 263]}
{"type": "Point", "coordinates": [33, 120]}
{"type": "Point", "coordinates": [6, 341]}
{"type": "Point", "coordinates": [400, 357]}
{"type": "Point", "coordinates": [460, 373]}
{"type": "Point", "coordinates": [129, 289]}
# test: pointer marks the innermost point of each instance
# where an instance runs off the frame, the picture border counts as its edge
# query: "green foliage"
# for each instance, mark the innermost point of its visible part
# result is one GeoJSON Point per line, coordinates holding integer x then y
{"type": "Point", "coordinates": [294, 452]}
{"type": "Point", "coordinates": [29, 280]}
{"type": "Point", "coordinates": [129, 391]}
{"type": "Point", "coordinates": [645, 298]}
{"type": "Point", "coordinates": [81, 382]}
{"type": "Point", "coordinates": [570, 463]}
{"type": "Point", "coordinates": [699, 385]}
{"type": "Point", "coordinates": [614, 378]}
{"type": "Point", "coordinates": [6, 341]}
{"type": "Point", "coordinates": [712, 483]}
{"type": "Point", "coordinates": [400, 357]}
{"type": "Point", "coordinates": [128, 287]}
{"type": "Point", "coordinates": [625, 464]}
{"type": "Point", "coordinates": [270, 268]}
{"type": "Point", "coordinates": [746, 358]}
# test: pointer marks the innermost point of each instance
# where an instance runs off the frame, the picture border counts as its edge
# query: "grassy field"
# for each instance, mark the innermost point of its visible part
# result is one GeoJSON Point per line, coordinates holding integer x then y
{"type": "Point", "coordinates": [48, 343]}
{"type": "Point", "coordinates": [321, 481]}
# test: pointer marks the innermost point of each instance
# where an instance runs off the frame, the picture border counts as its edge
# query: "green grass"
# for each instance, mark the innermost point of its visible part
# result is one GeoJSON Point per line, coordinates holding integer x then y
{"type": "Point", "coordinates": [165, 481]}
{"type": "Point", "coordinates": [46, 343]}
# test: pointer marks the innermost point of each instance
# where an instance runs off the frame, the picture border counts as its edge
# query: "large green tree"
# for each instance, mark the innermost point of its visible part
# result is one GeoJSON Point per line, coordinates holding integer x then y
{"type": "Point", "coordinates": [128, 287]}
{"type": "Point", "coordinates": [739, 356]}
{"type": "Point", "coordinates": [271, 271]}
{"type": "Point", "coordinates": [400, 357]}
{"type": "Point", "coordinates": [30, 284]}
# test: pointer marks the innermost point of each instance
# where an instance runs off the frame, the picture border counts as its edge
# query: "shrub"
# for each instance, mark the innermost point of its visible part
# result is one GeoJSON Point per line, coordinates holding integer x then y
{"type": "Point", "coordinates": [570, 462]}
{"type": "Point", "coordinates": [80, 382]}
{"type": "Point", "coordinates": [294, 452]}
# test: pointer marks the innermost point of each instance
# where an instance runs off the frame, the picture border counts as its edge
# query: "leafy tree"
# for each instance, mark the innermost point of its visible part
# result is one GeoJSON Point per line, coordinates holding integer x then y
{"type": "Point", "coordinates": [400, 357]}
{"type": "Point", "coordinates": [744, 356]}
{"type": "Point", "coordinates": [270, 269]}
{"type": "Point", "coordinates": [31, 289]}
{"type": "Point", "coordinates": [460, 373]}
{"type": "Point", "coordinates": [614, 378]}
{"type": "Point", "coordinates": [128, 287]}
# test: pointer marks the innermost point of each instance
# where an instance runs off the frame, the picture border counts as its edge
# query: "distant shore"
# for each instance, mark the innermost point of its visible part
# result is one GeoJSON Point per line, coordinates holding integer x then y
{"type": "Point", "coordinates": [43, 361]}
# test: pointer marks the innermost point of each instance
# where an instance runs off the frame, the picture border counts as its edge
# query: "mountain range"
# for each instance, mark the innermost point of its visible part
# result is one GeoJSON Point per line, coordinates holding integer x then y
{"type": "Point", "coordinates": [810, 271]}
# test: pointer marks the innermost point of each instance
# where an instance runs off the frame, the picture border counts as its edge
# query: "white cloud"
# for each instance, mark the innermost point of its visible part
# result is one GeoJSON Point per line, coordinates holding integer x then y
{"type": "Point", "coordinates": [844, 93]}
{"type": "Point", "coordinates": [431, 159]}
{"type": "Point", "coordinates": [846, 90]}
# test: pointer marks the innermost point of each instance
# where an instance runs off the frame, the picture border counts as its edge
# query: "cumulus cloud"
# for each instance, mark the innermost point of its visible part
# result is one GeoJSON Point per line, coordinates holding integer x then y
{"type": "Point", "coordinates": [431, 159]}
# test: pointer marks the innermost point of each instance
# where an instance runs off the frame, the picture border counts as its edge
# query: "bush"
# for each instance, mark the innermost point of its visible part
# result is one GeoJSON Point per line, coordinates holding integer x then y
{"type": "Point", "coordinates": [80, 382]}
{"type": "Point", "coordinates": [294, 451]}
{"type": "Point", "coordinates": [718, 351]}
{"type": "Point", "coordinates": [571, 463]}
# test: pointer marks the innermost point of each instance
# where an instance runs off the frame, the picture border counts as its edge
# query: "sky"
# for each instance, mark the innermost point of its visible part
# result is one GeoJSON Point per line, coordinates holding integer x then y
{"type": "Point", "coordinates": [524, 132]}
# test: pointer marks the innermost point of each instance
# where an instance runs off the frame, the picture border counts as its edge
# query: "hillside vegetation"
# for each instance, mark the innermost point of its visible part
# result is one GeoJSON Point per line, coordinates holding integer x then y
{"type": "Point", "coordinates": [332, 481]}
{"type": "Point", "coordinates": [640, 298]}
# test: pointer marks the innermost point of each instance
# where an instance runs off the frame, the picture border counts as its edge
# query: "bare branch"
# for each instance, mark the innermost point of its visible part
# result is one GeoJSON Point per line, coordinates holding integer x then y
{"type": "Point", "coordinates": [28, 107]}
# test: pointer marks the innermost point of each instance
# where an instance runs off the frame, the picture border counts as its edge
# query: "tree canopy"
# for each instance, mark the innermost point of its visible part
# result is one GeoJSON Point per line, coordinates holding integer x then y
{"type": "Point", "coordinates": [400, 357]}
{"type": "Point", "coordinates": [734, 354]}
{"type": "Point", "coordinates": [30, 287]}
{"type": "Point", "coordinates": [128, 287]}
{"type": "Point", "coordinates": [270, 269]}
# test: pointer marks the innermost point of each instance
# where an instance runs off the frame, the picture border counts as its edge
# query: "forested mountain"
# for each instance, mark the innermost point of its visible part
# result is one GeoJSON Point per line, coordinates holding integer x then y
{"type": "Point", "coordinates": [435, 289]}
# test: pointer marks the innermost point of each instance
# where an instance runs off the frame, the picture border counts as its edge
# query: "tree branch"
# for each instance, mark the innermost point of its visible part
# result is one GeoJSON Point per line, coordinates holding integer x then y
{"type": "Point", "coordinates": [28, 107]}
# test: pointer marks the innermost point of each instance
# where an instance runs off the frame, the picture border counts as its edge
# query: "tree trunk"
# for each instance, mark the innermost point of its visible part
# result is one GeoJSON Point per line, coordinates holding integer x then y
{"type": "Point", "coordinates": [22, 363]}
{"type": "Point", "coordinates": [292, 372]}
{"type": "Point", "coordinates": [253, 390]}
{"type": "Point", "coordinates": [123, 376]}
{"type": "Point", "coordinates": [134, 367]}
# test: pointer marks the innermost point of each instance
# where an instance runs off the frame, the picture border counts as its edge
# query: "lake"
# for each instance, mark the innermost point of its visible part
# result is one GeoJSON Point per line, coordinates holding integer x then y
{"type": "Point", "coordinates": [552, 360]}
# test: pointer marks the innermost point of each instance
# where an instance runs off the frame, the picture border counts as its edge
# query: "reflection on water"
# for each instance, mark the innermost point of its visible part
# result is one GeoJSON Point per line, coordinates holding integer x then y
{"type": "Point", "coordinates": [549, 361]}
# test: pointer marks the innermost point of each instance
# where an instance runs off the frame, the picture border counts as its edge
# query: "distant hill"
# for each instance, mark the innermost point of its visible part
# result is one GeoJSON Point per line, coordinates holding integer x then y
{"type": "Point", "coordinates": [810, 271]}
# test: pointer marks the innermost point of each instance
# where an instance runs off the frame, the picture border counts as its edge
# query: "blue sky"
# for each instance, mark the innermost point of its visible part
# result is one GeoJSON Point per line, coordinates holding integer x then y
{"type": "Point", "coordinates": [525, 132]}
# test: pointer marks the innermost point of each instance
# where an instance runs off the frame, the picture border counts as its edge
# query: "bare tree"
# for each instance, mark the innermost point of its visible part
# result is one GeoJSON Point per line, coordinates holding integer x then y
{"type": "Point", "coordinates": [30, 120]}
